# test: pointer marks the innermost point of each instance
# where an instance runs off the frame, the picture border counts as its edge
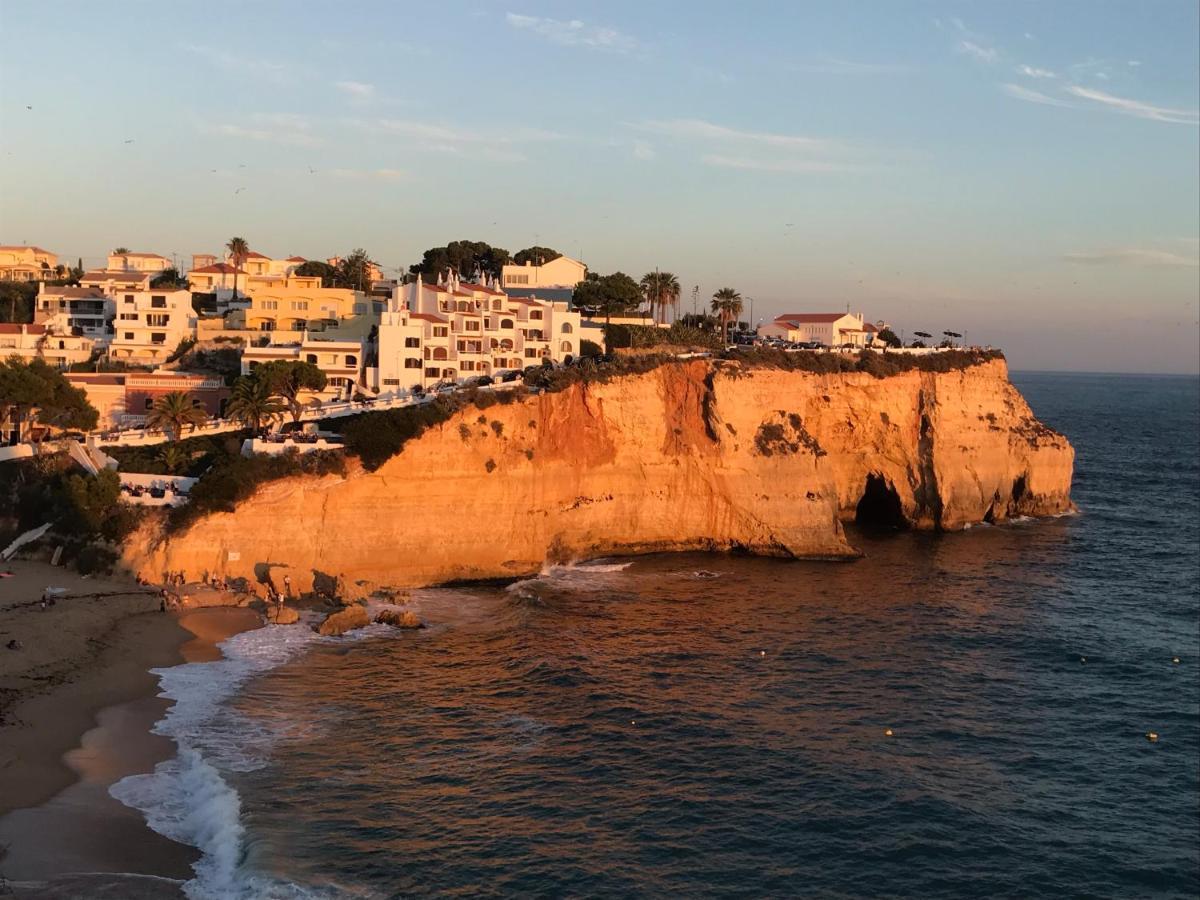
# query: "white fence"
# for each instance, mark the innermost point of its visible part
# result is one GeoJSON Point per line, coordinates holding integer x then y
{"type": "Point", "coordinates": [155, 490]}
{"type": "Point", "coordinates": [274, 446]}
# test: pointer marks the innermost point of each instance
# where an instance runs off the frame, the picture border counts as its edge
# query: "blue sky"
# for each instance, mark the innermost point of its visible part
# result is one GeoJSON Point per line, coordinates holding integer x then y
{"type": "Point", "coordinates": [1025, 172]}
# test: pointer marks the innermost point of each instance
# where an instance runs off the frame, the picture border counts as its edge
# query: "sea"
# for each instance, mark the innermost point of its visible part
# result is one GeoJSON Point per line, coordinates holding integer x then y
{"type": "Point", "coordinates": [959, 715]}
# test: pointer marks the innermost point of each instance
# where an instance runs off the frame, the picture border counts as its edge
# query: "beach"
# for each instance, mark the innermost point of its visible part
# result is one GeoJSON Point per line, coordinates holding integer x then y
{"type": "Point", "coordinates": [77, 708]}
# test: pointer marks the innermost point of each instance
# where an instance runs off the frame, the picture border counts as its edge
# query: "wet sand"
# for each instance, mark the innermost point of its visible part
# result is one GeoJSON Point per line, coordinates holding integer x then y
{"type": "Point", "coordinates": [78, 708]}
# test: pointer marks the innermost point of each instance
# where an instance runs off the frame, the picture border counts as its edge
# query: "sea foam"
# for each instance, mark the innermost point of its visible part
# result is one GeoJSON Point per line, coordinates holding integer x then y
{"type": "Point", "coordinates": [187, 798]}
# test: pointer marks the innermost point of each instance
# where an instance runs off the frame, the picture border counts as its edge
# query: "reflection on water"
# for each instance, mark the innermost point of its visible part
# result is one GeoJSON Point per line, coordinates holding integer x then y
{"type": "Point", "coordinates": [641, 728]}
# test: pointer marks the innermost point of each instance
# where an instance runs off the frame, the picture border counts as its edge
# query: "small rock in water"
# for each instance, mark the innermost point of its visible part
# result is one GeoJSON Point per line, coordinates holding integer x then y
{"type": "Point", "coordinates": [1083, 659]}
{"type": "Point", "coordinates": [282, 615]}
{"type": "Point", "coordinates": [704, 573]}
{"type": "Point", "coordinates": [399, 618]}
{"type": "Point", "coordinates": [762, 652]}
{"type": "Point", "coordinates": [346, 620]}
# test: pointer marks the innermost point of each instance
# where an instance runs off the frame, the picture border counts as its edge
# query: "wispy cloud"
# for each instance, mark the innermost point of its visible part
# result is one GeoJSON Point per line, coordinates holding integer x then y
{"type": "Point", "coordinates": [700, 129]}
{"type": "Point", "coordinates": [792, 165]}
{"type": "Point", "coordinates": [277, 128]}
{"type": "Point", "coordinates": [1136, 256]}
{"type": "Point", "coordinates": [1031, 96]}
{"type": "Point", "coordinates": [250, 64]}
{"type": "Point", "coordinates": [481, 143]}
{"type": "Point", "coordinates": [643, 150]}
{"type": "Point", "coordinates": [1035, 72]}
{"type": "Point", "coordinates": [830, 65]}
{"type": "Point", "coordinates": [574, 33]}
{"type": "Point", "coordinates": [983, 54]}
{"type": "Point", "coordinates": [359, 90]}
{"type": "Point", "coordinates": [1136, 107]}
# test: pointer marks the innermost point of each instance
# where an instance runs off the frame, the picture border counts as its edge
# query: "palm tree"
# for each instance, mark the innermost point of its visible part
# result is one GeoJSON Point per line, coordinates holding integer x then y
{"type": "Point", "coordinates": [727, 304]}
{"type": "Point", "coordinates": [661, 289]}
{"type": "Point", "coordinates": [175, 411]}
{"type": "Point", "coordinates": [253, 404]}
{"type": "Point", "coordinates": [173, 458]}
{"type": "Point", "coordinates": [238, 251]}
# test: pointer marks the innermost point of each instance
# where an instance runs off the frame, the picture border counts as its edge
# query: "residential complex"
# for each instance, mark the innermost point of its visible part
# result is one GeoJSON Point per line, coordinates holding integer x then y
{"type": "Point", "coordinates": [553, 280]}
{"type": "Point", "coordinates": [457, 330]}
{"type": "Point", "coordinates": [32, 340]}
{"type": "Point", "coordinates": [124, 398]}
{"type": "Point", "coordinates": [140, 263]}
{"type": "Point", "coordinates": [151, 324]}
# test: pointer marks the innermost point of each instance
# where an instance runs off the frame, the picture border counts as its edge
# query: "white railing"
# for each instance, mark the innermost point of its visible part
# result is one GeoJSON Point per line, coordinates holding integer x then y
{"type": "Point", "coordinates": [285, 444]}
{"type": "Point", "coordinates": [155, 490]}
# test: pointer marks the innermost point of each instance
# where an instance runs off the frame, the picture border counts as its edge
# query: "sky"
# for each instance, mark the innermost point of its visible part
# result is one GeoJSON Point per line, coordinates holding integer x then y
{"type": "Point", "coordinates": [1026, 173]}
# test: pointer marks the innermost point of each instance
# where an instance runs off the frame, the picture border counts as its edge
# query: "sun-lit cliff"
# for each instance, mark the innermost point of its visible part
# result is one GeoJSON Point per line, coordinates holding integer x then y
{"type": "Point", "coordinates": [697, 455]}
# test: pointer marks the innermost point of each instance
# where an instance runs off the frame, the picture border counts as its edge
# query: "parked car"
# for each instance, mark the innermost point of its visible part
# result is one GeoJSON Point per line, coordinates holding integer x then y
{"type": "Point", "coordinates": [483, 381]}
{"type": "Point", "coordinates": [510, 376]}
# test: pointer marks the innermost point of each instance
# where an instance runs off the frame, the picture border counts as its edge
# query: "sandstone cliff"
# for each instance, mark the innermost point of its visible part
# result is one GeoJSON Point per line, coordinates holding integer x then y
{"type": "Point", "coordinates": [696, 455]}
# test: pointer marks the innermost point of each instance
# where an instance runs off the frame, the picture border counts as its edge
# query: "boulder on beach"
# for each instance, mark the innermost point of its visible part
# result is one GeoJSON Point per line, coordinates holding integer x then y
{"type": "Point", "coordinates": [399, 618]}
{"type": "Point", "coordinates": [345, 620]}
{"type": "Point", "coordinates": [281, 615]}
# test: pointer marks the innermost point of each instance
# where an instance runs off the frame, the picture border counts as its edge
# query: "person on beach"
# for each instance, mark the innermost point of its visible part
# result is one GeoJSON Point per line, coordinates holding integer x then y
{"type": "Point", "coordinates": [287, 586]}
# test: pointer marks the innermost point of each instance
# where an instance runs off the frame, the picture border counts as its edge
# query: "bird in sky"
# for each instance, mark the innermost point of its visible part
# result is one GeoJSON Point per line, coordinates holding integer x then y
{"type": "Point", "coordinates": [130, 141]}
{"type": "Point", "coordinates": [29, 107]}
{"type": "Point", "coordinates": [238, 191]}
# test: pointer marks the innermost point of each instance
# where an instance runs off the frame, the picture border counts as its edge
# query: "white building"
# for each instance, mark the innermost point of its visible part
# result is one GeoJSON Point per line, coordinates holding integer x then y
{"type": "Point", "coordinates": [31, 341]}
{"type": "Point", "coordinates": [150, 324]}
{"type": "Point", "coordinates": [111, 282]}
{"type": "Point", "coordinates": [80, 311]}
{"type": "Point", "coordinates": [342, 362]}
{"type": "Point", "coordinates": [555, 279]}
{"type": "Point", "coordinates": [830, 329]}
{"type": "Point", "coordinates": [459, 330]}
{"type": "Point", "coordinates": [141, 263]}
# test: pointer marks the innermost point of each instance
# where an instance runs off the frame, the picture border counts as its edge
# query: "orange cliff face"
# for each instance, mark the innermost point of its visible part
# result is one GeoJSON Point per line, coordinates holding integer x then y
{"type": "Point", "coordinates": [697, 455]}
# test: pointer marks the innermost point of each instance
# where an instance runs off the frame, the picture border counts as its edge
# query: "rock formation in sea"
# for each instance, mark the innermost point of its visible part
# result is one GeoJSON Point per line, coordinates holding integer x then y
{"type": "Point", "coordinates": [701, 455]}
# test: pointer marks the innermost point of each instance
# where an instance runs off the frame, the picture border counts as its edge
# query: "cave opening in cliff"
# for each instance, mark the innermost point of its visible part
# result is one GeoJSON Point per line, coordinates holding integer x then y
{"type": "Point", "coordinates": [879, 509]}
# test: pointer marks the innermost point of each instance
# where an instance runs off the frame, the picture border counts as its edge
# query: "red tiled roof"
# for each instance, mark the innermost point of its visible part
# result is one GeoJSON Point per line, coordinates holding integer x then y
{"type": "Point", "coordinates": [427, 317]}
{"type": "Point", "coordinates": [218, 269]}
{"type": "Point", "coordinates": [141, 255]}
{"type": "Point", "coordinates": [296, 259]}
{"type": "Point", "coordinates": [789, 318]}
{"type": "Point", "coordinates": [254, 254]}
{"type": "Point", "coordinates": [93, 378]}
{"type": "Point", "coordinates": [26, 247]}
{"type": "Point", "coordinates": [867, 326]}
{"type": "Point", "coordinates": [16, 328]}
{"type": "Point", "coordinates": [435, 287]}
{"type": "Point", "coordinates": [75, 293]}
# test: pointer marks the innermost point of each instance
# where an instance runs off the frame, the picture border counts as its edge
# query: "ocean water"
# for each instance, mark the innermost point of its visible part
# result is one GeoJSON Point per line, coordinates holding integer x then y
{"type": "Point", "coordinates": [717, 726]}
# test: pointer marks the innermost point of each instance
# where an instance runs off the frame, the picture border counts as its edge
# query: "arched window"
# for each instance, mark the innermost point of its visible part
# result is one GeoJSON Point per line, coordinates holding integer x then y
{"type": "Point", "coordinates": [567, 329]}
{"type": "Point", "coordinates": [351, 360]}
{"type": "Point", "coordinates": [440, 353]}
{"type": "Point", "coordinates": [506, 323]}
{"type": "Point", "coordinates": [565, 346]}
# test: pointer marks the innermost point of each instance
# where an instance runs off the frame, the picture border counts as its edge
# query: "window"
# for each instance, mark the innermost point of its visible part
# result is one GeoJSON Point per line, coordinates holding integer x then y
{"type": "Point", "coordinates": [468, 365]}
{"type": "Point", "coordinates": [412, 363]}
{"type": "Point", "coordinates": [471, 325]}
{"type": "Point", "coordinates": [412, 342]}
{"type": "Point", "coordinates": [149, 403]}
{"type": "Point", "coordinates": [565, 346]}
{"type": "Point", "coordinates": [351, 361]}
{"type": "Point", "coordinates": [440, 331]}
{"type": "Point", "coordinates": [270, 304]}
{"type": "Point", "coordinates": [431, 373]}
{"type": "Point", "coordinates": [506, 323]}
{"type": "Point", "coordinates": [129, 317]}
{"type": "Point", "coordinates": [157, 337]}
{"type": "Point", "coordinates": [535, 314]}
{"type": "Point", "coordinates": [531, 353]}
{"type": "Point", "coordinates": [566, 328]}
{"type": "Point", "coordinates": [129, 335]}
{"type": "Point", "coordinates": [516, 279]}
{"type": "Point", "coordinates": [360, 309]}
{"type": "Point", "coordinates": [129, 298]}
{"type": "Point", "coordinates": [300, 305]}
{"type": "Point", "coordinates": [311, 357]}
{"type": "Point", "coordinates": [391, 382]}
{"type": "Point", "coordinates": [158, 301]}
{"type": "Point", "coordinates": [157, 321]}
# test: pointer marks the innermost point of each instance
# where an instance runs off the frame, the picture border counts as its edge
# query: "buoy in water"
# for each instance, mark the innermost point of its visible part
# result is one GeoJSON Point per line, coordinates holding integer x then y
{"type": "Point", "coordinates": [1083, 659]}
{"type": "Point", "coordinates": [762, 652]}
{"type": "Point", "coordinates": [1175, 659]}
{"type": "Point", "coordinates": [1152, 736]}
{"type": "Point", "coordinates": [888, 733]}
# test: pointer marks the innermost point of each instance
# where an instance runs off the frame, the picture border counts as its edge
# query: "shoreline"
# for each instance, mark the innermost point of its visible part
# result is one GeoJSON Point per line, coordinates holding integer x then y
{"type": "Point", "coordinates": [76, 716]}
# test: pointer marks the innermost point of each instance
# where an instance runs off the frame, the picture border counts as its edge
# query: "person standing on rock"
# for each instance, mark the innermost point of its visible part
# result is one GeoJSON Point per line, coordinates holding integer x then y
{"type": "Point", "coordinates": [287, 586]}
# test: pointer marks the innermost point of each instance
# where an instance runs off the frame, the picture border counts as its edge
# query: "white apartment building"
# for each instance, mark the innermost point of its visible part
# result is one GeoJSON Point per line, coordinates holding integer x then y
{"type": "Point", "coordinates": [341, 361]}
{"type": "Point", "coordinates": [458, 330]}
{"type": "Point", "coordinates": [140, 263]}
{"type": "Point", "coordinates": [79, 311]}
{"type": "Point", "coordinates": [31, 341]}
{"type": "Point", "coordinates": [562, 273]}
{"type": "Point", "coordinates": [150, 324]}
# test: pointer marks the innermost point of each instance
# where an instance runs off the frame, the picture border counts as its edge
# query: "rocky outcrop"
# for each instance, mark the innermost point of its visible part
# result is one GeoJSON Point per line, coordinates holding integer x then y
{"type": "Point", "coordinates": [399, 618]}
{"type": "Point", "coordinates": [344, 620]}
{"type": "Point", "coordinates": [281, 615]}
{"type": "Point", "coordinates": [690, 456]}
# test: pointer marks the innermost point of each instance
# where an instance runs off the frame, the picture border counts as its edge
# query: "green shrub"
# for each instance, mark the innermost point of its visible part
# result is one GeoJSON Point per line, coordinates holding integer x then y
{"type": "Point", "coordinates": [201, 452]}
{"type": "Point", "coordinates": [375, 437]}
{"type": "Point", "coordinates": [94, 558]}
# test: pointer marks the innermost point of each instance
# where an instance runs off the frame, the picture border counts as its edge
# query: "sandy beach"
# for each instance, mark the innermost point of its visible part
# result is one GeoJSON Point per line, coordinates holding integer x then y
{"type": "Point", "coordinates": [76, 709]}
